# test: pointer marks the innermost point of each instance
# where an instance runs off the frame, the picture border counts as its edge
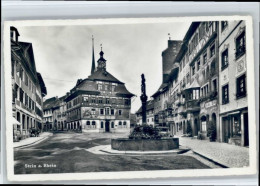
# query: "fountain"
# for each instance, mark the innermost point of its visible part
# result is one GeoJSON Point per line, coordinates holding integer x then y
{"type": "Point", "coordinates": [145, 137]}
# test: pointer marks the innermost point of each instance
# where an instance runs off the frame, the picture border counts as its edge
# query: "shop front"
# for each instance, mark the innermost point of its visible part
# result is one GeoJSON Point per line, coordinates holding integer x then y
{"type": "Point", "coordinates": [235, 128]}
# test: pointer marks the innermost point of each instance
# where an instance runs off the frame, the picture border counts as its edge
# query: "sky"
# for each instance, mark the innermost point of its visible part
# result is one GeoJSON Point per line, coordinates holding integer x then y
{"type": "Point", "coordinates": [63, 54]}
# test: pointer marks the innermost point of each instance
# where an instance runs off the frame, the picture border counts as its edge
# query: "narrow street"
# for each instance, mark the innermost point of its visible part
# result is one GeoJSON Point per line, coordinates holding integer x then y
{"type": "Point", "coordinates": [66, 153]}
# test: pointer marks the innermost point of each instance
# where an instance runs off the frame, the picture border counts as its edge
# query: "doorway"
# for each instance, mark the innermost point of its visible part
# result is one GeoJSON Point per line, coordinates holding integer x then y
{"type": "Point", "coordinates": [107, 126]}
{"type": "Point", "coordinates": [226, 125]}
{"type": "Point", "coordinates": [246, 136]}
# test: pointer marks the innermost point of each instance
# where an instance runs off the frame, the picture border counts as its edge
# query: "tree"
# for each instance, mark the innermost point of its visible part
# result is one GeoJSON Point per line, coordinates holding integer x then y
{"type": "Point", "coordinates": [189, 129]}
{"type": "Point", "coordinates": [212, 133]}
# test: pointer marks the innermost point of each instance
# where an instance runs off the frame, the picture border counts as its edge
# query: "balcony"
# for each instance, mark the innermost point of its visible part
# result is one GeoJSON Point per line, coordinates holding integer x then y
{"type": "Point", "coordinates": [193, 106]}
{"type": "Point", "coordinates": [182, 110]}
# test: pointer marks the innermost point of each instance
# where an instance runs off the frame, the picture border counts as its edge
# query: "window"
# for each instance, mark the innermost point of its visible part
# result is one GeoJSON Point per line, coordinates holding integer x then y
{"type": "Point", "coordinates": [26, 80]}
{"type": "Point", "coordinates": [101, 111]}
{"type": "Point", "coordinates": [102, 125]}
{"type": "Point", "coordinates": [198, 63]}
{"type": "Point", "coordinates": [213, 67]}
{"type": "Point", "coordinates": [119, 112]}
{"type": "Point", "coordinates": [112, 111]}
{"type": "Point", "coordinates": [99, 87]}
{"type": "Point", "coordinates": [106, 87]}
{"type": "Point", "coordinates": [107, 101]}
{"type": "Point", "coordinates": [21, 73]}
{"type": "Point", "coordinates": [113, 88]}
{"type": "Point", "coordinates": [112, 124]}
{"type": "Point", "coordinates": [107, 111]}
{"type": "Point", "coordinates": [205, 58]}
{"type": "Point", "coordinates": [214, 85]}
{"type": "Point", "coordinates": [223, 25]}
{"type": "Point", "coordinates": [212, 50]}
{"type": "Point", "coordinates": [21, 95]}
{"type": "Point", "coordinates": [120, 124]}
{"type": "Point", "coordinates": [13, 68]}
{"type": "Point", "coordinates": [193, 69]}
{"type": "Point", "coordinates": [195, 94]}
{"type": "Point", "coordinates": [224, 59]}
{"type": "Point", "coordinates": [240, 45]}
{"type": "Point", "coordinates": [100, 100]}
{"type": "Point", "coordinates": [93, 124]}
{"type": "Point", "coordinates": [225, 97]}
{"type": "Point", "coordinates": [93, 100]}
{"type": "Point", "coordinates": [241, 86]}
{"type": "Point", "coordinates": [124, 124]}
{"type": "Point", "coordinates": [188, 77]}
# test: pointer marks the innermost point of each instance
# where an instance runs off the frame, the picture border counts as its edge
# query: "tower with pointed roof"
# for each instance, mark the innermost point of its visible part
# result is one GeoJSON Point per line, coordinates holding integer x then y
{"type": "Point", "coordinates": [93, 67]}
{"type": "Point", "coordinates": [101, 61]}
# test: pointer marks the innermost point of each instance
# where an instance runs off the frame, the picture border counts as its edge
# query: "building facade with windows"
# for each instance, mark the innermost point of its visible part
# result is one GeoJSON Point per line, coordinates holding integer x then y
{"type": "Point", "coordinates": [99, 103]}
{"type": "Point", "coordinates": [162, 95]}
{"type": "Point", "coordinates": [48, 106]}
{"type": "Point", "coordinates": [27, 85]}
{"type": "Point", "coordinates": [232, 83]}
{"type": "Point", "coordinates": [194, 83]}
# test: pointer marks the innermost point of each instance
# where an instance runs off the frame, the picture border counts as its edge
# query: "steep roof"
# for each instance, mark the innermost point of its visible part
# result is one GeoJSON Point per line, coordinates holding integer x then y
{"type": "Point", "coordinates": [25, 51]}
{"type": "Point", "coordinates": [161, 89]}
{"type": "Point", "coordinates": [122, 90]}
{"type": "Point", "coordinates": [103, 76]}
{"type": "Point", "coordinates": [50, 103]}
{"type": "Point", "coordinates": [89, 85]}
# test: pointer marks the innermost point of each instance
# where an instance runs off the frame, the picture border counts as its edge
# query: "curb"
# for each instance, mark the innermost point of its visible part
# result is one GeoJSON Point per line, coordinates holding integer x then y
{"type": "Point", "coordinates": [211, 160]}
{"type": "Point", "coordinates": [38, 141]}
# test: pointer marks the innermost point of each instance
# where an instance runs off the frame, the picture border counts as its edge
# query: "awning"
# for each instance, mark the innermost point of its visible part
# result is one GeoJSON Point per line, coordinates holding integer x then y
{"type": "Point", "coordinates": [231, 113]}
{"type": "Point", "coordinates": [15, 122]}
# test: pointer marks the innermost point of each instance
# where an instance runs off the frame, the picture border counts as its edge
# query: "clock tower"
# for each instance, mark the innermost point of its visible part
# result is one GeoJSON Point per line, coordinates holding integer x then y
{"type": "Point", "coordinates": [101, 62]}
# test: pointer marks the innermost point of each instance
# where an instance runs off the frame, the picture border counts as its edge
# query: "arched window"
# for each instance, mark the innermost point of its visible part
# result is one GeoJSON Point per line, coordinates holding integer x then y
{"type": "Point", "coordinates": [124, 124]}
{"type": "Point", "coordinates": [120, 124]}
{"type": "Point", "coordinates": [93, 124]}
{"type": "Point", "coordinates": [88, 124]}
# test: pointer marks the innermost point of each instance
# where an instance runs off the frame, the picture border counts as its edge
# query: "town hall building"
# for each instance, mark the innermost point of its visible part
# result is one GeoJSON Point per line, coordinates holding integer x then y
{"type": "Point", "coordinates": [99, 103]}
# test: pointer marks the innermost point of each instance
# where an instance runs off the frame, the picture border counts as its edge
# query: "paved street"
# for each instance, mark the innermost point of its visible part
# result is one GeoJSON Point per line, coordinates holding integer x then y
{"type": "Point", "coordinates": [223, 153]}
{"type": "Point", "coordinates": [32, 140]}
{"type": "Point", "coordinates": [65, 153]}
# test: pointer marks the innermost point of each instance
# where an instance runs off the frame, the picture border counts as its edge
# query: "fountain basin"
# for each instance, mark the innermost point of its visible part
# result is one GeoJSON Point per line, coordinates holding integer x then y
{"type": "Point", "coordinates": [125, 144]}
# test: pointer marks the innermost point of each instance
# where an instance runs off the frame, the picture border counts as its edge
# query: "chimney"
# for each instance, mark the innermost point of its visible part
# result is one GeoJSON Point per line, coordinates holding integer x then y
{"type": "Point", "coordinates": [14, 34]}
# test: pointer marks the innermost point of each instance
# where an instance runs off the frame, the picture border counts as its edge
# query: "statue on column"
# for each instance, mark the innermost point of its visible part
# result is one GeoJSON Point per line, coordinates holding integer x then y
{"type": "Point", "coordinates": [143, 99]}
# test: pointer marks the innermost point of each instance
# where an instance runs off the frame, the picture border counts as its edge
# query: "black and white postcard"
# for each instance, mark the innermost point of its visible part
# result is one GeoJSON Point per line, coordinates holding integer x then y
{"type": "Point", "coordinates": [129, 98]}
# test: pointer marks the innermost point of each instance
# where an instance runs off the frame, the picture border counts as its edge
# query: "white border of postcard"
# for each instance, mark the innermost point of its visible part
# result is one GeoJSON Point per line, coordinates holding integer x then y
{"type": "Point", "coordinates": [252, 169]}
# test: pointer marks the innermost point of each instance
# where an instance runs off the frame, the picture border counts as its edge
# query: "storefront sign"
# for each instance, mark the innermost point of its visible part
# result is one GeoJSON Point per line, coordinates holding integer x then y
{"type": "Point", "coordinates": [211, 104]}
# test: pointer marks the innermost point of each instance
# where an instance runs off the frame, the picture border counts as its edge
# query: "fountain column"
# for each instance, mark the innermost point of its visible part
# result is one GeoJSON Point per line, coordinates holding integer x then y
{"type": "Point", "coordinates": [143, 98]}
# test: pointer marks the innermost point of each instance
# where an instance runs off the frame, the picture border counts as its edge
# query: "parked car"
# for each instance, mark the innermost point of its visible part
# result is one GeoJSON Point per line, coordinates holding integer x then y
{"type": "Point", "coordinates": [34, 132]}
